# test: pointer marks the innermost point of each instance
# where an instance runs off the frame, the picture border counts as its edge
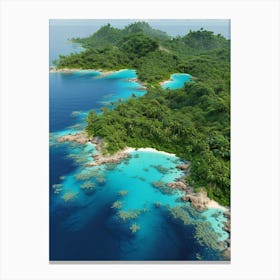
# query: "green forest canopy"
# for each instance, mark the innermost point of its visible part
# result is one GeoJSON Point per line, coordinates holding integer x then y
{"type": "Point", "coordinates": [193, 122]}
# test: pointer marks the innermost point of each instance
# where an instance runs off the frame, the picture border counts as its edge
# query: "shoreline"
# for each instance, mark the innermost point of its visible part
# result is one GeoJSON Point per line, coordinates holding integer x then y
{"type": "Point", "coordinates": [151, 150]}
{"type": "Point", "coordinates": [72, 70]}
{"type": "Point", "coordinates": [118, 156]}
{"type": "Point", "coordinates": [198, 200]}
{"type": "Point", "coordinates": [171, 78]}
{"type": "Point", "coordinates": [215, 205]}
{"type": "Point", "coordinates": [102, 72]}
{"type": "Point", "coordinates": [166, 81]}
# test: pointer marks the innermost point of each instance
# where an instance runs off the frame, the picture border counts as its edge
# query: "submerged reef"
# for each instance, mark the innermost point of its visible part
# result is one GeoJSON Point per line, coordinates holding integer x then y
{"type": "Point", "coordinates": [206, 236]}
{"type": "Point", "coordinates": [122, 192]}
{"type": "Point", "coordinates": [161, 169]}
{"type": "Point", "coordinates": [178, 212]}
{"type": "Point", "coordinates": [158, 184]}
{"type": "Point", "coordinates": [162, 187]}
{"type": "Point", "coordinates": [128, 215]}
{"type": "Point", "coordinates": [117, 204]}
{"type": "Point", "coordinates": [69, 196]}
{"type": "Point", "coordinates": [80, 138]}
{"type": "Point", "coordinates": [88, 187]}
{"type": "Point", "coordinates": [134, 228]}
{"type": "Point", "coordinates": [83, 176]}
{"type": "Point", "coordinates": [57, 188]}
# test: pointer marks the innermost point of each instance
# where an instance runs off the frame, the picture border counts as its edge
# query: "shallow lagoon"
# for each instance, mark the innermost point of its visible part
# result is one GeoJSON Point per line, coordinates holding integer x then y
{"type": "Point", "coordinates": [177, 81]}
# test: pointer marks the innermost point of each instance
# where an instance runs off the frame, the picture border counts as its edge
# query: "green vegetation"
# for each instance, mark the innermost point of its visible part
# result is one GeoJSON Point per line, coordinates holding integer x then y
{"type": "Point", "coordinates": [153, 53]}
{"type": "Point", "coordinates": [192, 122]}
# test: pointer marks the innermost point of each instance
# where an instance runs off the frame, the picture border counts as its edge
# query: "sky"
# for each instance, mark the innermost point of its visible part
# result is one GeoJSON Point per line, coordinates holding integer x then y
{"type": "Point", "coordinates": [173, 27]}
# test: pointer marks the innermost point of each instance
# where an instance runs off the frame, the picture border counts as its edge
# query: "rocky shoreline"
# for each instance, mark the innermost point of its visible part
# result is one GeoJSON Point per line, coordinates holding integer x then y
{"type": "Point", "coordinates": [53, 69]}
{"type": "Point", "coordinates": [227, 228]}
{"type": "Point", "coordinates": [103, 73]}
{"type": "Point", "coordinates": [79, 138]}
{"type": "Point", "coordinates": [199, 201]}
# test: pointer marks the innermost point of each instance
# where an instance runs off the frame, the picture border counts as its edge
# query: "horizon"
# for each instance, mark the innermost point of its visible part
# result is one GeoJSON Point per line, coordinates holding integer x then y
{"type": "Point", "coordinates": [173, 27]}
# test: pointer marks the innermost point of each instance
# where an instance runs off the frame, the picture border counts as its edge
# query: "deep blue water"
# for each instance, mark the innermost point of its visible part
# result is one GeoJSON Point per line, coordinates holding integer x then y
{"type": "Point", "coordinates": [84, 225]}
{"type": "Point", "coordinates": [72, 95]}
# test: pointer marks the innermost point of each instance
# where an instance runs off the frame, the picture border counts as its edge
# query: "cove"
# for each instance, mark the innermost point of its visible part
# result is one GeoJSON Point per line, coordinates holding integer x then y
{"type": "Point", "coordinates": [176, 81]}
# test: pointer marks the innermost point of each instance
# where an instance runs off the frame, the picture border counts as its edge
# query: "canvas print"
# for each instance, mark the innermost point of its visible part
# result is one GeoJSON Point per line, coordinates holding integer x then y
{"type": "Point", "coordinates": [139, 140]}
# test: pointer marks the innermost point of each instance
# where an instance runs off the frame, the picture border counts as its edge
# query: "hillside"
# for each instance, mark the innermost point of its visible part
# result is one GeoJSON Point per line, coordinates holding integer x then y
{"type": "Point", "coordinates": [192, 122]}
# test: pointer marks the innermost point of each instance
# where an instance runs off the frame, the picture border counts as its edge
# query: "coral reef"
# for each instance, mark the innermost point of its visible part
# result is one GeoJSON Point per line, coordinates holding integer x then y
{"type": "Point", "coordinates": [178, 212]}
{"type": "Point", "coordinates": [117, 204]}
{"type": "Point", "coordinates": [87, 187]}
{"type": "Point", "coordinates": [69, 196]}
{"type": "Point", "coordinates": [122, 192]}
{"type": "Point", "coordinates": [80, 138]}
{"type": "Point", "coordinates": [128, 215]}
{"type": "Point", "coordinates": [134, 228]}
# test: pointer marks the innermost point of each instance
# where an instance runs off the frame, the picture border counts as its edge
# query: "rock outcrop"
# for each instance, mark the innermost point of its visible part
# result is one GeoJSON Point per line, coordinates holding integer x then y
{"type": "Point", "coordinates": [184, 167]}
{"type": "Point", "coordinates": [226, 253]}
{"type": "Point", "coordinates": [115, 158]}
{"type": "Point", "coordinates": [227, 226]}
{"type": "Point", "coordinates": [198, 201]}
{"type": "Point", "coordinates": [178, 185]}
{"type": "Point", "coordinates": [80, 138]}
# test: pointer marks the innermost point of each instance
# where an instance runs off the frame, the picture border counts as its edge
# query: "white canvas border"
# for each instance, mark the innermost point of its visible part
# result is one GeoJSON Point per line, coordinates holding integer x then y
{"type": "Point", "coordinates": [24, 138]}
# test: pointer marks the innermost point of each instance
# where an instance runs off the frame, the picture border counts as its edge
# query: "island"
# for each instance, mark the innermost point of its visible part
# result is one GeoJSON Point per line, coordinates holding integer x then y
{"type": "Point", "coordinates": [192, 122]}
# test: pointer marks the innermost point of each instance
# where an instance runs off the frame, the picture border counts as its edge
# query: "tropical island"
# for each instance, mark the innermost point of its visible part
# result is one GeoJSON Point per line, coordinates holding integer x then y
{"type": "Point", "coordinates": [192, 122]}
{"type": "Point", "coordinates": [140, 140]}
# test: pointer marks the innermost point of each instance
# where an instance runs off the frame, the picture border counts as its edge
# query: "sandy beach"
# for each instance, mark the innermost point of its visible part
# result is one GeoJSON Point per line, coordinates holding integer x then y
{"type": "Point", "coordinates": [151, 150]}
{"type": "Point", "coordinates": [198, 200]}
{"type": "Point", "coordinates": [167, 81]}
{"type": "Point", "coordinates": [216, 205]}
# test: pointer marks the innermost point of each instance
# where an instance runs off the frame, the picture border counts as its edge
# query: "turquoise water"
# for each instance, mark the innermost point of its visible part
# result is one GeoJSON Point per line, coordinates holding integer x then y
{"type": "Point", "coordinates": [177, 81]}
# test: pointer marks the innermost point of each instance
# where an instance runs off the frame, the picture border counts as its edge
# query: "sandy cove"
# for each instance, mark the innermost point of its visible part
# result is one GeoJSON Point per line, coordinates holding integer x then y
{"type": "Point", "coordinates": [199, 201]}
{"type": "Point", "coordinates": [167, 81]}
{"type": "Point", "coordinates": [117, 157]}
